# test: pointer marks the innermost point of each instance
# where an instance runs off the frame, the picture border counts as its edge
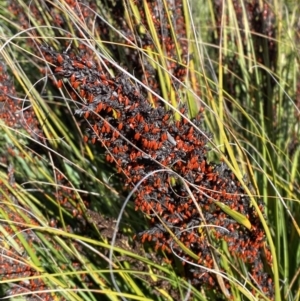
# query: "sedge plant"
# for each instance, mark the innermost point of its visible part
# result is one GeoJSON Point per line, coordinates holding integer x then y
{"type": "Point", "coordinates": [114, 186]}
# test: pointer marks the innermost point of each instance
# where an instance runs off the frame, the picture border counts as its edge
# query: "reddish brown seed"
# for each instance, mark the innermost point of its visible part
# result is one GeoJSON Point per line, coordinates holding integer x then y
{"type": "Point", "coordinates": [76, 84]}
{"type": "Point", "coordinates": [59, 69]}
{"type": "Point", "coordinates": [156, 130]}
{"type": "Point", "coordinates": [118, 113]}
{"type": "Point", "coordinates": [145, 142]}
{"type": "Point", "coordinates": [137, 136]}
{"type": "Point", "coordinates": [102, 76]}
{"type": "Point", "coordinates": [107, 127]}
{"type": "Point", "coordinates": [111, 82]}
{"type": "Point", "coordinates": [132, 156]}
{"type": "Point", "coordinates": [116, 134]}
{"type": "Point", "coordinates": [164, 136]}
{"type": "Point", "coordinates": [139, 118]}
{"type": "Point", "coordinates": [191, 130]}
{"type": "Point", "coordinates": [72, 78]}
{"type": "Point", "coordinates": [120, 98]}
{"type": "Point", "coordinates": [59, 58]}
{"type": "Point", "coordinates": [53, 223]}
{"type": "Point", "coordinates": [90, 64]}
{"type": "Point", "coordinates": [82, 93]}
{"type": "Point", "coordinates": [59, 84]}
{"type": "Point", "coordinates": [95, 128]}
{"type": "Point", "coordinates": [115, 150]}
{"type": "Point", "coordinates": [78, 65]}
{"type": "Point", "coordinates": [126, 101]}
{"type": "Point", "coordinates": [99, 107]}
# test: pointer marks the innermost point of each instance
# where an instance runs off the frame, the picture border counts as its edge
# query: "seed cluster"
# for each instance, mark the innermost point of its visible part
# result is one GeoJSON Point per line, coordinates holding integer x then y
{"type": "Point", "coordinates": [165, 17]}
{"type": "Point", "coordinates": [14, 260]}
{"type": "Point", "coordinates": [161, 12]}
{"type": "Point", "coordinates": [141, 140]}
{"type": "Point", "coordinates": [14, 264]}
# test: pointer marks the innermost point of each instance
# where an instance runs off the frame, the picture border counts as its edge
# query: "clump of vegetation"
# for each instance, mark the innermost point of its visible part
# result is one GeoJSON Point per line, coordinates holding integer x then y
{"type": "Point", "coordinates": [172, 103]}
{"type": "Point", "coordinates": [154, 152]}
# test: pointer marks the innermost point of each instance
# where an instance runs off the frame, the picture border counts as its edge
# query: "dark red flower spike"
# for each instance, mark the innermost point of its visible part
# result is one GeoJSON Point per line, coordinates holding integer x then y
{"type": "Point", "coordinates": [155, 140]}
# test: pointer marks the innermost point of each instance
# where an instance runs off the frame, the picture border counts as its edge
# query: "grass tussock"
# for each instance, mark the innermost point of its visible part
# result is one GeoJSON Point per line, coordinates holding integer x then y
{"type": "Point", "coordinates": [149, 150]}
